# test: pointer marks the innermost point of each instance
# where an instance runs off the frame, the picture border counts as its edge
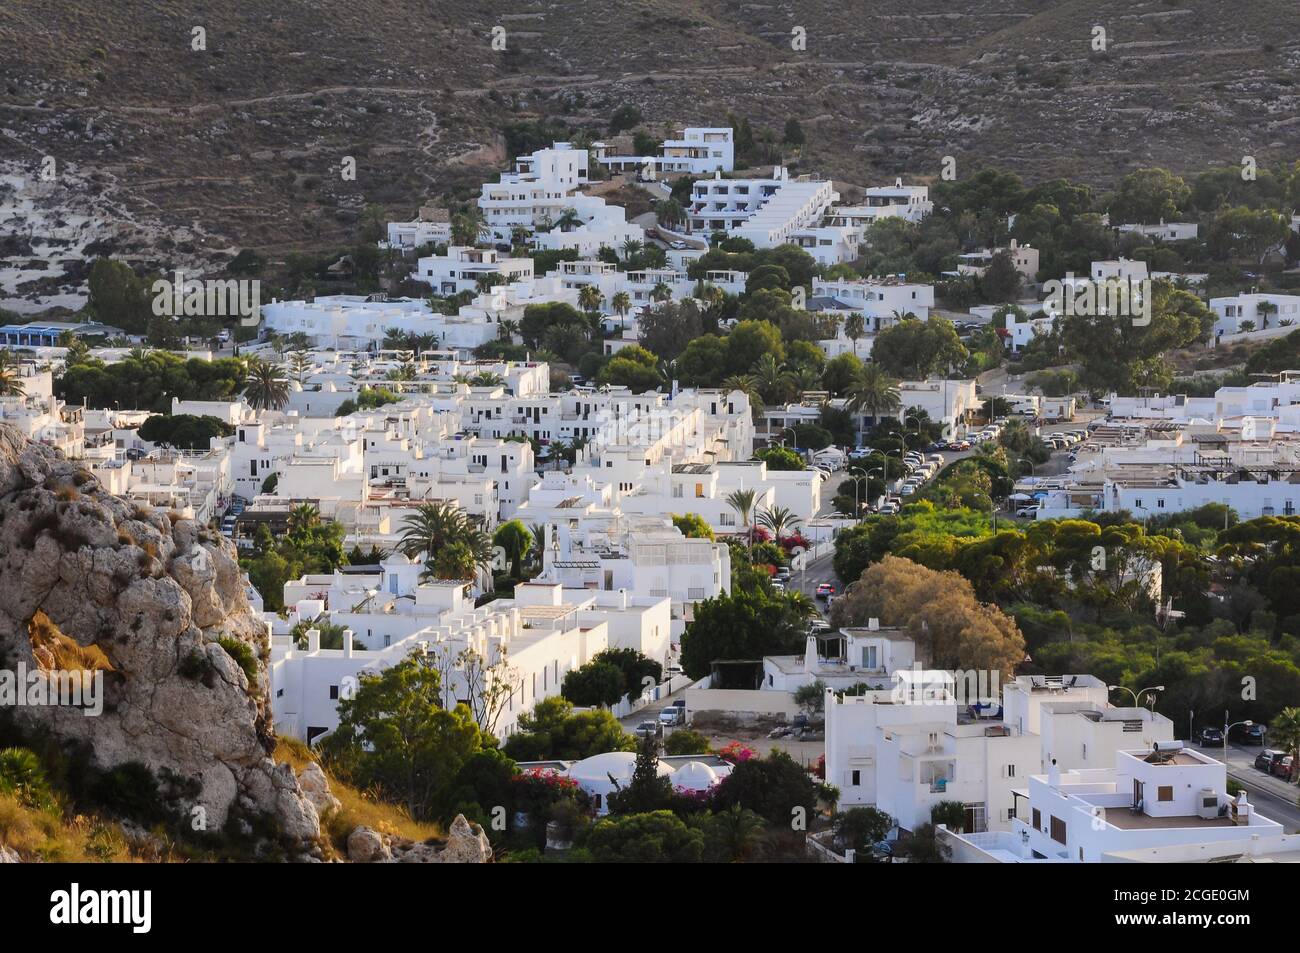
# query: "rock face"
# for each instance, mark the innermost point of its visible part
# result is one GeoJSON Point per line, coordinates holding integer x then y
{"type": "Point", "coordinates": [316, 788]}
{"type": "Point", "coordinates": [154, 594]}
{"type": "Point", "coordinates": [466, 844]}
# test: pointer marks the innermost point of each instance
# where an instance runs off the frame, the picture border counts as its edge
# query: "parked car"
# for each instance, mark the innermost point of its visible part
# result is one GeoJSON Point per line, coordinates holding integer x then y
{"type": "Point", "coordinates": [825, 590]}
{"type": "Point", "coordinates": [1282, 768]}
{"type": "Point", "coordinates": [1027, 512]}
{"type": "Point", "coordinates": [1248, 734]}
{"type": "Point", "coordinates": [1211, 737]}
{"type": "Point", "coordinates": [677, 244]}
{"type": "Point", "coordinates": [648, 729]}
{"type": "Point", "coordinates": [1265, 759]}
{"type": "Point", "coordinates": [670, 716]}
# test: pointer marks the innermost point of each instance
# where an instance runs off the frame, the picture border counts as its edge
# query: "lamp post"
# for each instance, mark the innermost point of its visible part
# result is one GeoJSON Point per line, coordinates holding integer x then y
{"type": "Point", "coordinates": [1137, 703]}
{"type": "Point", "coordinates": [857, 507]}
{"type": "Point", "coordinates": [1227, 728]}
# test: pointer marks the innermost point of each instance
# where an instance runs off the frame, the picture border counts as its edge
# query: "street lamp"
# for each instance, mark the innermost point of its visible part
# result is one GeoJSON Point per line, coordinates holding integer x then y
{"type": "Point", "coordinates": [1136, 702]}
{"type": "Point", "coordinates": [857, 507]}
{"type": "Point", "coordinates": [1228, 728]}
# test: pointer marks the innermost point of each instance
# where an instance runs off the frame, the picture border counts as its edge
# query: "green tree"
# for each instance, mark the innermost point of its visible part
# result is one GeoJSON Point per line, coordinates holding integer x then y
{"type": "Point", "coordinates": [266, 388]}
{"type": "Point", "coordinates": [693, 526]}
{"type": "Point", "coordinates": [554, 731]}
{"type": "Point", "coordinates": [594, 684]}
{"type": "Point", "coordinates": [516, 540]}
{"type": "Point", "coordinates": [394, 736]}
{"type": "Point", "coordinates": [655, 838]}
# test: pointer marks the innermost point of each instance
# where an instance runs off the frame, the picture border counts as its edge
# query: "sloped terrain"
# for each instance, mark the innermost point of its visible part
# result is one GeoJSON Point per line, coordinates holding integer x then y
{"type": "Point", "coordinates": [240, 144]}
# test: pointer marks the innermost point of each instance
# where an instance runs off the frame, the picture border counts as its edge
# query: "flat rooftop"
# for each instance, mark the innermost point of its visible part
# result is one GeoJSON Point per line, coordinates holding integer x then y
{"type": "Point", "coordinates": [1126, 820]}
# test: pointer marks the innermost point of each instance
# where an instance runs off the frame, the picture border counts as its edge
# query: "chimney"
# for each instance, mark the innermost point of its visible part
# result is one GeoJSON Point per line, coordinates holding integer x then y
{"type": "Point", "coordinates": [347, 643]}
{"type": "Point", "coordinates": [1053, 775]}
{"type": "Point", "coordinates": [313, 640]}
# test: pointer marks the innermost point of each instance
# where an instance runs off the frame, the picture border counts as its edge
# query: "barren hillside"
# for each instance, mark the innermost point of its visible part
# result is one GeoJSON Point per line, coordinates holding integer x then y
{"type": "Point", "coordinates": [191, 152]}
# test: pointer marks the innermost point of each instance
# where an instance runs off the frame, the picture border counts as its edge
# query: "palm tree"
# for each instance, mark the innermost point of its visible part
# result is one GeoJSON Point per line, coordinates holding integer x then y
{"type": "Point", "coordinates": [747, 385]}
{"type": "Point", "coordinates": [779, 520]}
{"type": "Point", "coordinates": [484, 283]}
{"type": "Point", "coordinates": [302, 518]}
{"type": "Point", "coordinates": [631, 247]}
{"type": "Point", "coordinates": [774, 381]}
{"type": "Point", "coordinates": [741, 835]}
{"type": "Point", "coordinates": [742, 501]}
{"type": "Point", "coordinates": [265, 388]}
{"type": "Point", "coordinates": [873, 393]}
{"type": "Point", "coordinates": [590, 298]}
{"type": "Point", "coordinates": [467, 226]}
{"type": "Point", "coordinates": [1285, 733]}
{"type": "Point", "coordinates": [854, 327]}
{"type": "Point", "coordinates": [434, 526]}
{"type": "Point", "coordinates": [569, 217]}
{"type": "Point", "coordinates": [10, 385]}
{"type": "Point", "coordinates": [621, 303]}
{"type": "Point", "coordinates": [661, 292]}
{"type": "Point", "coordinates": [507, 329]}
{"type": "Point", "coordinates": [806, 379]}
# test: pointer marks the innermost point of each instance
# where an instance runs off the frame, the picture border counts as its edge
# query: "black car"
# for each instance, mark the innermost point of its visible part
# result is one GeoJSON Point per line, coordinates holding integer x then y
{"type": "Point", "coordinates": [1265, 760]}
{"type": "Point", "coordinates": [1248, 734]}
{"type": "Point", "coordinates": [1211, 736]}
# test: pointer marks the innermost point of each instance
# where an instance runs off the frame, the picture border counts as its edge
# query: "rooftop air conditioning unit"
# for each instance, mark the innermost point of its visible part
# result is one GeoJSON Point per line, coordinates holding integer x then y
{"type": "Point", "coordinates": [1207, 804]}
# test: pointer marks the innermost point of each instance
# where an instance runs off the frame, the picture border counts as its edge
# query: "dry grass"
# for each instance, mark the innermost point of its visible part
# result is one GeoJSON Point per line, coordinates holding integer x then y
{"type": "Point", "coordinates": [68, 655]}
{"type": "Point", "coordinates": [359, 809]}
{"type": "Point", "coordinates": [47, 836]}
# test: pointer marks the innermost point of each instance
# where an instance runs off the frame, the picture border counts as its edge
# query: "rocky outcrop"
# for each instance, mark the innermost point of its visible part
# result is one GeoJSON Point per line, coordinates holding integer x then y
{"type": "Point", "coordinates": [83, 572]}
{"type": "Point", "coordinates": [466, 844]}
{"type": "Point", "coordinates": [316, 788]}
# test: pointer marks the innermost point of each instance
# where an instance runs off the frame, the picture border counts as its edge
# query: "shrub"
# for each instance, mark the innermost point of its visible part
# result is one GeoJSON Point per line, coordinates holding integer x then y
{"type": "Point", "coordinates": [22, 776]}
{"type": "Point", "coordinates": [243, 655]}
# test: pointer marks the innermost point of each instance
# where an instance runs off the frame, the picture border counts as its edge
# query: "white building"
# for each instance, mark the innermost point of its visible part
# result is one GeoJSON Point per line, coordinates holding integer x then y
{"type": "Point", "coordinates": [1163, 797]}
{"type": "Point", "coordinates": [1263, 311]}
{"type": "Point", "coordinates": [768, 211]}
{"type": "Point", "coordinates": [463, 268]}
{"type": "Point", "coordinates": [701, 150]}
{"type": "Point", "coordinates": [908, 202]}
{"type": "Point", "coordinates": [1164, 231]}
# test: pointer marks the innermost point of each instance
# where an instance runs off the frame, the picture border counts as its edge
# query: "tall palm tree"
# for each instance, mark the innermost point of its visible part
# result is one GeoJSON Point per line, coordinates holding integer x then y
{"type": "Point", "coordinates": [265, 388]}
{"type": "Point", "coordinates": [855, 326]}
{"type": "Point", "coordinates": [874, 393]}
{"type": "Point", "coordinates": [742, 501]}
{"type": "Point", "coordinates": [780, 520]}
{"type": "Point", "coordinates": [621, 303]}
{"type": "Point", "coordinates": [302, 518]}
{"type": "Point", "coordinates": [631, 247]}
{"type": "Point", "coordinates": [661, 292]}
{"type": "Point", "coordinates": [507, 329]}
{"type": "Point", "coordinates": [568, 218]}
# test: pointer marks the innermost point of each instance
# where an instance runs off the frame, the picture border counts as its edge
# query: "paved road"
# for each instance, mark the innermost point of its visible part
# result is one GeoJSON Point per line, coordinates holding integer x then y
{"type": "Point", "coordinates": [1274, 798]}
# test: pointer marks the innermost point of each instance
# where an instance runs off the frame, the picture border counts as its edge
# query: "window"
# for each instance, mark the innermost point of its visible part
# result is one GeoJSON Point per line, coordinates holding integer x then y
{"type": "Point", "coordinates": [334, 693]}
{"type": "Point", "coordinates": [856, 778]}
{"type": "Point", "coordinates": [1165, 792]}
{"type": "Point", "coordinates": [1038, 820]}
{"type": "Point", "coordinates": [1058, 830]}
{"type": "Point", "coordinates": [1011, 770]}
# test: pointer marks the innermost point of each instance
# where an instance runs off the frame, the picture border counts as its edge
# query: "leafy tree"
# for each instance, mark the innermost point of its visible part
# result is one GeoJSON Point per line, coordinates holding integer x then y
{"type": "Point", "coordinates": [516, 540]}
{"type": "Point", "coordinates": [859, 828]}
{"type": "Point", "coordinates": [733, 836]}
{"type": "Point", "coordinates": [655, 838]}
{"type": "Point", "coordinates": [915, 350]}
{"type": "Point", "coordinates": [693, 526]}
{"type": "Point", "coordinates": [780, 458]}
{"type": "Point", "coordinates": [554, 731]}
{"type": "Point", "coordinates": [739, 625]}
{"type": "Point", "coordinates": [686, 741]}
{"type": "Point", "coordinates": [648, 790]}
{"type": "Point", "coordinates": [594, 684]}
{"type": "Point", "coordinates": [775, 788]}
{"type": "Point", "coordinates": [1148, 196]}
{"type": "Point", "coordinates": [185, 431]}
{"type": "Point", "coordinates": [395, 736]}
{"type": "Point", "coordinates": [633, 367]}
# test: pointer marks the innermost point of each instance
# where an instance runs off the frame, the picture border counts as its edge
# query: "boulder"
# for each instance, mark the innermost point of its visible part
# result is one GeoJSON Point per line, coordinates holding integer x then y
{"type": "Point", "coordinates": [366, 846]}
{"type": "Point", "coordinates": [81, 569]}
